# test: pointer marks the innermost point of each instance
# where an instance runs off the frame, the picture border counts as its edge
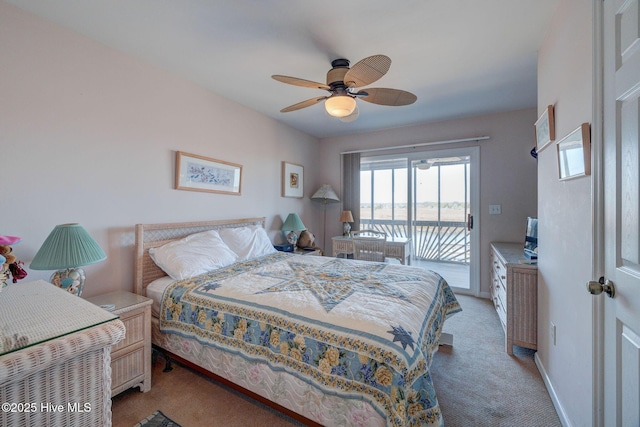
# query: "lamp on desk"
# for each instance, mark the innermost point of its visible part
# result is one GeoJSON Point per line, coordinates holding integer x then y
{"type": "Point", "coordinates": [67, 248]}
{"type": "Point", "coordinates": [346, 218]}
{"type": "Point", "coordinates": [292, 224]}
{"type": "Point", "coordinates": [325, 195]}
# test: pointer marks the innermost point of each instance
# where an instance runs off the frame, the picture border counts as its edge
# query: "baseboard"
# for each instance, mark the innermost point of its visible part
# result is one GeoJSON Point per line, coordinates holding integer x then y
{"type": "Point", "coordinates": [485, 295]}
{"type": "Point", "coordinates": [552, 393]}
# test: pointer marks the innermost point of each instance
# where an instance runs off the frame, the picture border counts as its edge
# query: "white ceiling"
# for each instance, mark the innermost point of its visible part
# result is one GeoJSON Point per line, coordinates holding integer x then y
{"type": "Point", "coordinates": [460, 57]}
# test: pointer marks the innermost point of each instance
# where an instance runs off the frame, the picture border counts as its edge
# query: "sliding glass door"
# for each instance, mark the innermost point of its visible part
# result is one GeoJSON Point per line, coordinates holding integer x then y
{"type": "Point", "coordinates": [429, 197]}
{"type": "Point", "coordinates": [383, 196]}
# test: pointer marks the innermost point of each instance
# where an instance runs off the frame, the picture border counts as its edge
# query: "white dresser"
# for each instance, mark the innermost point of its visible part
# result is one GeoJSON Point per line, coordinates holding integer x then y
{"type": "Point", "coordinates": [55, 354]}
{"type": "Point", "coordinates": [514, 290]}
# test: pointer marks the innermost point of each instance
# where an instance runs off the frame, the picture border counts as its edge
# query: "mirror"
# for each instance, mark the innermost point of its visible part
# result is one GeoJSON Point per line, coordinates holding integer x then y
{"type": "Point", "coordinates": [574, 153]}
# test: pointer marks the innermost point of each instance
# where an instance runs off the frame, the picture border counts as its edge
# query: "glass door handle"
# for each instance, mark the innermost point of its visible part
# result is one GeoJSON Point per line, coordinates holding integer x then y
{"type": "Point", "coordinates": [469, 222]}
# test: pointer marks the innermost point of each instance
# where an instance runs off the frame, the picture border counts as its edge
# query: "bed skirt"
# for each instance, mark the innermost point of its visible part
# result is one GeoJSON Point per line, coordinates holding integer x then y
{"type": "Point", "coordinates": [279, 387]}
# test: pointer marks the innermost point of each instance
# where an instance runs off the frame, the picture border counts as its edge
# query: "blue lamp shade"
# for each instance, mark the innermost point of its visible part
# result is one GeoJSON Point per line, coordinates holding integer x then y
{"type": "Point", "coordinates": [292, 224]}
{"type": "Point", "coordinates": [68, 247]}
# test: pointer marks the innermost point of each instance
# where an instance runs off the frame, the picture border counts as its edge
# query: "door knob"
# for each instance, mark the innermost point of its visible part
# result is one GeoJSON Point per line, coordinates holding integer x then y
{"type": "Point", "coordinates": [596, 288]}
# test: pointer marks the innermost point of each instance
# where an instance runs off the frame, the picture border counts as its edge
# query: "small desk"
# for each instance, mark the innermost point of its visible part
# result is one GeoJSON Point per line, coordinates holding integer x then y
{"type": "Point", "coordinates": [398, 248]}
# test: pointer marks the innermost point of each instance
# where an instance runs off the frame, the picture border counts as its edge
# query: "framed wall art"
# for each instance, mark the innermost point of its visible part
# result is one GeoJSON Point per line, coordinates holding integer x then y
{"type": "Point", "coordinates": [545, 129]}
{"type": "Point", "coordinates": [574, 153]}
{"type": "Point", "coordinates": [199, 173]}
{"type": "Point", "coordinates": [292, 180]}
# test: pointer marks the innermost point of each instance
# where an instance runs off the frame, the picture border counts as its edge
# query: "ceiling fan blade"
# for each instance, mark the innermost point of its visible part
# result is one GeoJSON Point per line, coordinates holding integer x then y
{"type": "Point", "coordinates": [393, 97]}
{"type": "Point", "coordinates": [300, 82]}
{"type": "Point", "coordinates": [367, 71]}
{"type": "Point", "coordinates": [303, 104]}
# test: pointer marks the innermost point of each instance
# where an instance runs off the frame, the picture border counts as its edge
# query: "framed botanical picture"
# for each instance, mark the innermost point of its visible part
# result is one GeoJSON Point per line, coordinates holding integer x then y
{"type": "Point", "coordinates": [545, 129]}
{"type": "Point", "coordinates": [574, 153]}
{"type": "Point", "coordinates": [199, 173]}
{"type": "Point", "coordinates": [292, 180]}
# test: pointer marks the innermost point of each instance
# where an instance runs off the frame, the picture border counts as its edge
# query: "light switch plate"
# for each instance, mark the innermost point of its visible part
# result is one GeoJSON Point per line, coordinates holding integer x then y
{"type": "Point", "coordinates": [495, 209]}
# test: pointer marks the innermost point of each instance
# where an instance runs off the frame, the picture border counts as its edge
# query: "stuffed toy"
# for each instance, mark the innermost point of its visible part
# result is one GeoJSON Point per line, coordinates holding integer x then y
{"type": "Point", "coordinates": [9, 264]}
{"type": "Point", "coordinates": [306, 240]}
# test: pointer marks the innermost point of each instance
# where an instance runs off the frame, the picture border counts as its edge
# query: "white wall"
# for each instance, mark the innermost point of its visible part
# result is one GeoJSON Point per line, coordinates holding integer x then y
{"type": "Point", "coordinates": [507, 171]}
{"type": "Point", "coordinates": [565, 79]}
{"type": "Point", "coordinates": [88, 134]}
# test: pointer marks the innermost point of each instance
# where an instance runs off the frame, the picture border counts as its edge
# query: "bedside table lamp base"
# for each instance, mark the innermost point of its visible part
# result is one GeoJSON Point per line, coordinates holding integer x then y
{"type": "Point", "coordinates": [346, 229]}
{"type": "Point", "coordinates": [70, 280]}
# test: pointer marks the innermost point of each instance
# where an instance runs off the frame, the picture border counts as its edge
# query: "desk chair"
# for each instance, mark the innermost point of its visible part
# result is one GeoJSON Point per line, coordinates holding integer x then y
{"type": "Point", "coordinates": [369, 245]}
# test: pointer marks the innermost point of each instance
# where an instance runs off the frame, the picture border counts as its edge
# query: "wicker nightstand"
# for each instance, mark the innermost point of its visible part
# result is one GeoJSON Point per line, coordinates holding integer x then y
{"type": "Point", "coordinates": [131, 357]}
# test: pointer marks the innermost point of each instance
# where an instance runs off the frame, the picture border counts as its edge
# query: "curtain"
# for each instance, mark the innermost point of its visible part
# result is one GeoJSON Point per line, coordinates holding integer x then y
{"type": "Point", "coordinates": [351, 186]}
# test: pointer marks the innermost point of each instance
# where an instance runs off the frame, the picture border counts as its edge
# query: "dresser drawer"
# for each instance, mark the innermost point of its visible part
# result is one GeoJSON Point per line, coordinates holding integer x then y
{"type": "Point", "coordinates": [500, 309]}
{"type": "Point", "coordinates": [128, 367]}
{"type": "Point", "coordinates": [500, 271]}
{"type": "Point", "coordinates": [135, 329]}
{"type": "Point", "coordinates": [501, 292]}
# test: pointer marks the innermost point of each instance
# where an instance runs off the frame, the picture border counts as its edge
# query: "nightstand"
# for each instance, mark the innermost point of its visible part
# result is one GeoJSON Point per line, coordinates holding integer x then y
{"type": "Point", "coordinates": [131, 357]}
{"type": "Point", "coordinates": [315, 252]}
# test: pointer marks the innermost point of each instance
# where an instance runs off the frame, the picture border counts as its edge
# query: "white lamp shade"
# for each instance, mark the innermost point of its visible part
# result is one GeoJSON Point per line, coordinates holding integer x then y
{"type": "Point", "coordinates": [340, 105]}
{"type": "Point", "coordinates": [326, 194]}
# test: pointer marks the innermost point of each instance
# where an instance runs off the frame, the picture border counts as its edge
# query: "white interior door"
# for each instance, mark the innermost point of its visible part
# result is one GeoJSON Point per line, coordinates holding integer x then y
{"type": "Point", "coordinates": [622, 223]}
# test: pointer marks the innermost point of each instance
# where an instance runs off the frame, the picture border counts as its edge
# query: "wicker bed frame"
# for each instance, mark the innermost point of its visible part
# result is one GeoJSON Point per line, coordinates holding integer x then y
{"type": "Point", "coordinates": [154, 235]}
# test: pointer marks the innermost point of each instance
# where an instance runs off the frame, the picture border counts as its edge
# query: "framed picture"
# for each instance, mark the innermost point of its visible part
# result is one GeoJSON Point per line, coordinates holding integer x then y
{"type": "Point", "coordinates": [199, 173]}
{"type": "Point", "coordinates": [292, 180]}
{"type": "Point", "coordinates": [545, 129]}
{"type": "Point", "coordinates": [574, 153]}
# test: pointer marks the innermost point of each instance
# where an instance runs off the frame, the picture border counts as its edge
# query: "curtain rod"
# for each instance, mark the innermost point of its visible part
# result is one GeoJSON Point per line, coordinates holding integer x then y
{"type": "Point", "coordinates": [422, 144]}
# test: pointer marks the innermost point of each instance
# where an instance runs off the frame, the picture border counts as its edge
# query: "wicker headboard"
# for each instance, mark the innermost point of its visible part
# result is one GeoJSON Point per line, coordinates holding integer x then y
{"type": "Point", "coordinates": [153, 235]}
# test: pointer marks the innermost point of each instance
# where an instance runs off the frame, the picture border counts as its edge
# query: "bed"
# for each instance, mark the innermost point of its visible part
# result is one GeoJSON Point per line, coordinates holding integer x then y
{"type": "Point", "coordinates": [328, 341]}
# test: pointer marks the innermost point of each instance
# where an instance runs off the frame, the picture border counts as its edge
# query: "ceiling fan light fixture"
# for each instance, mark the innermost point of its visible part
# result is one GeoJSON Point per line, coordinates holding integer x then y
{"type": "Point", "coordinates": [351, 117]}
{"type": "Point", "coordinates": [340, 105]}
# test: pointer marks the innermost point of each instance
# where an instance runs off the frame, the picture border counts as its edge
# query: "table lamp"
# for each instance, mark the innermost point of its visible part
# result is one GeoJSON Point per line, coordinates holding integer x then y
{"type": "Point", "coordinates": [346, 217]}
{"type": "Point", "coordinates": [292, 224]}
{"type": "Point", "coordinates": [67, 248]}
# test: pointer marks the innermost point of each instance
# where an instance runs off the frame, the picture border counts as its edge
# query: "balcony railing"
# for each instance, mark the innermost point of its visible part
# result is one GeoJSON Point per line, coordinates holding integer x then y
{"type": "Point", "coordinates": [432, 240]}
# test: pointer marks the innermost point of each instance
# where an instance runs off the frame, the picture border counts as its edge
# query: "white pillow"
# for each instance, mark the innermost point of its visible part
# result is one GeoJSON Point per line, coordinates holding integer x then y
{"type": "Point", "coordinates": [247, 242]}
{"type": "Point", "coordinates": [193, 255]}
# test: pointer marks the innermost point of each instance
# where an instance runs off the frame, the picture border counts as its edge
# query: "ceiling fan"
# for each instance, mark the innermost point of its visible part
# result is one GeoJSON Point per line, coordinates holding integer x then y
{"type": "Point", "coordinates": [343, 85]}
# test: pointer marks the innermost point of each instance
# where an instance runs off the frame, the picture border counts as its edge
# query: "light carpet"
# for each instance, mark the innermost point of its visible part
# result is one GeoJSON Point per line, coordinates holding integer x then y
{"type": "Point", "coordinates": [479, 384]}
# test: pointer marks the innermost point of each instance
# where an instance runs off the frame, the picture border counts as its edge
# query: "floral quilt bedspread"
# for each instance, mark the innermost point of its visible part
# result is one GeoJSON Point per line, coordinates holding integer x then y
{"type": "Point", "coordinates": [357, 329]}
